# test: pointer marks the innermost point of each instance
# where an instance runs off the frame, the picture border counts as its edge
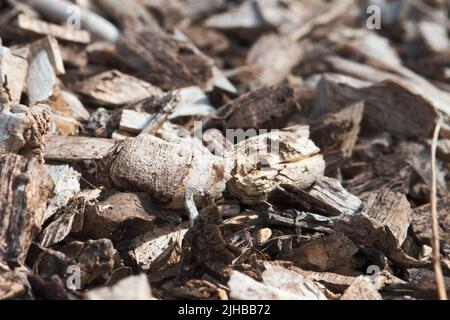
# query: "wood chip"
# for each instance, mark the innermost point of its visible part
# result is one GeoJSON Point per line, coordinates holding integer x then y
{"type": "Point", "coordinates": [25, 193]}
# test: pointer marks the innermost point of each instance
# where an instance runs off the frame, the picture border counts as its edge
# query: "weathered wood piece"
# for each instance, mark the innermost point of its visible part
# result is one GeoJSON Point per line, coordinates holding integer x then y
{"type": "Point", "coordinates": [326, 196]}
{"type": "Point", "coordinates": [265, 108]}
{"type": "Point", "coordinates": [119, 216]}
{"type": "Point", "coordinates": [361, 289]}
{"type": "Point", "coordinates": [243, 288]}
{"type": "Point", "coordinates": [41, 80]}
{"type": "Point", "coordinates": [13, 73]}
{"type": "Point", "coordinates": [61, 148]}
{"type": "Point", "coordinates": [421, 222]}
{"type": "Point", "coordinates": [141, 163]}
{"type": "Point", "coordinates": [152, 251]}
{"type": "Point", "coordinates": [326, 253]}
{"type": "Point", "coordinates": [115, 89]}
{"type": "Point", "coordinates": [67, 184]}
{"type": "Point", "coordinates": [69, 219]}
{"type": "Point", "coordinates": [386, 217]}
{"type": "Point", "coordinates": [390, 105]}
{"type": "Point", "coordinates": [336, 134]}
{"type": "Point", "coordinates": [264, 162]}
{"type": "Point", "coordinates": [297, 219]}
{"type": "Point", "coordinates": [163, 61]}
{"type": "Point", "coordinates": [26, 187]}
{"type": "Point", "coordinates": [22, 129]}
{"type": "Point", "coordinates": [273, 57]}
{"type": "Point", "coordinates": [50, 45]}
{"type": "Point", "coordinates": [41, 28]}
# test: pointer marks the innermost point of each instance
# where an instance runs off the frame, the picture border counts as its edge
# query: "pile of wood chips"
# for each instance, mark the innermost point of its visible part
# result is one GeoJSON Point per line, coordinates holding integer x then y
{"type": "Point", "coordinates": [214, 149]}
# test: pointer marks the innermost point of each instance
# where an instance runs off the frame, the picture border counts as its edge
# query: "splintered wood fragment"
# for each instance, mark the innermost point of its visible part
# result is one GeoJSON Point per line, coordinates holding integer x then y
{"type": "Point", "coordinates": [392, 172]}
{"type": "Point", "coordinates": [58, 10]}
{"type": "Point", "coordinates": [25, 190]}
{"type": "Point", "coordinates": [421, 223]}
{"type": "Point", "coordinates": [265, 108]}
{"type": "Point", "coordinates": [22, 130]}
{"type": "Point", "coordinates": [94, 259]}
{"type": "Point", "coordinates": [67, 184]}
{"type": "Point", "coordinates": [163, 61]}
{"type": "Point", "coordinates": [169, 104]}
{"type": "Point", "coordinates": [361, 289]}
{"type": "Point", "coordinates": [327, 196]}
{"type": "Point", "coordinates": [13, 73]}
{"type": "Point", "coordinates": [42, 28]}
{"type": "Point", "coordinates": [41, 80]}
{"type": "Point", "coordinates": [68, 219]}
{"type": "Point", "coordinates": [336, 134]}
{"type": "Point", "coordinates": [114, 89]}
{"type": "Point", "coordinates": [264, 162]}
{"type": "Point", "coordinates": [390, 105]}
{"type": "Point", "coordinates": [242, 287]}
{"type": "Point", "coordinates": [62, 148]}
{"type": "Point", "coordinates": [131, 288]}
{"type": "Point", "coordinates": [192, 102]}
{"type": "Point", "coordinates": [274, 57]}
{"type": "Point", "coordinates": [325, 253]}
{"type": "Point", "coordinates": [383, 224]}
{"type": "Point", "coordinates": [297, 219]}
{"type": "Point", "coordinates": [50, 45]}
{"type": "Point", "coordinates": [150, 250]}
{"type": "Point", "coordinates": [386, 218]}
{"type": "Point", "coordinates": [420, 155]}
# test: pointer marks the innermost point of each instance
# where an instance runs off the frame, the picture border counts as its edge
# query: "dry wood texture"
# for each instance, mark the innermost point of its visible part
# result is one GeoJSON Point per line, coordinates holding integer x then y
{"type": "Point", "coordinates": [224, 149]}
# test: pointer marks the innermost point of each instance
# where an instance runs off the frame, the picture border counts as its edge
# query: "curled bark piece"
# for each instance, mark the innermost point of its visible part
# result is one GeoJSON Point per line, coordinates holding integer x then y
{"type": "Point", "coordinates": [262, 163]}
{"type": "Point", "coordinates": [26, 187]}
{"type": "Point", "coordinates": [22, 130]}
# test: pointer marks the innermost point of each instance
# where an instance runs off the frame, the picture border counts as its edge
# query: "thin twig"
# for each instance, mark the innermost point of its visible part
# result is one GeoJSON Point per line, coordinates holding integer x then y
{"type": "Point", "coordinates": [434, 216]}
